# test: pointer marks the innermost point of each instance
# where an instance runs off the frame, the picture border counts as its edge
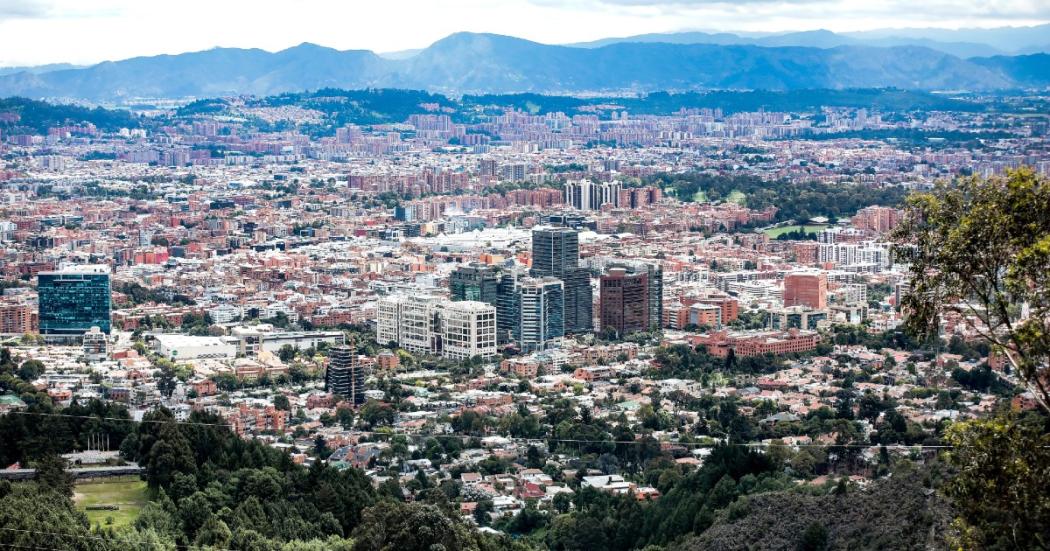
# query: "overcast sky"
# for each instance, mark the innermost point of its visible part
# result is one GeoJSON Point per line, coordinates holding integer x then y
{"type": "Point", "coordinates": [34, 32]}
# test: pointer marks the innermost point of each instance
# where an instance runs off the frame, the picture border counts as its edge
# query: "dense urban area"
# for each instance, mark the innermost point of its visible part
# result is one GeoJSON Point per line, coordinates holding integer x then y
{"type": "Point", "coordinates": [388, 319]}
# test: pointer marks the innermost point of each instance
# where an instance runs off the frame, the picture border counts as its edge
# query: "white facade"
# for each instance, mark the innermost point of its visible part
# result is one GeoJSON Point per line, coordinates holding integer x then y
{"type": "Point", "coordinates": [468, 329]}
{"type": "Point", "coordinates": [423, 324]}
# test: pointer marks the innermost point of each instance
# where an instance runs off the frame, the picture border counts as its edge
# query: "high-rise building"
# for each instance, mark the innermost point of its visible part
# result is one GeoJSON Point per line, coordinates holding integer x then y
{"type": "Point", "coordinates": [468, 329]}
{"type": "Point", "coordinates": [556, 253]}
{"type": "Point", "coordinates": [579, 303]}
{"type": "Point", "coordinates": [73, 300]}
{"type": "Point", "coordinates": [587, 195]}
{"type": "Point", "coordinates": [345, 377]}
{"type": "Point", "coordinates": [474, 282]}
{"type": "Point", "coordinates": [655, 278]}
{"type": "Point", "coordinates": [806, 289]}
{"type": "Point", "coordinates": [624, 302]}
{"type": "Point", "coordinates": [542, 304]}
{"type": "Point", "coordinates": [508, 306]}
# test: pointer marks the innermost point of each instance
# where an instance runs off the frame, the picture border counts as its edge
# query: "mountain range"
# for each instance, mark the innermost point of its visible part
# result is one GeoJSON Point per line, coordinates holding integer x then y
{"type": "Point", "coordinates": [964, 43]}
{"type": "Point", "coordinates": [487, 63]}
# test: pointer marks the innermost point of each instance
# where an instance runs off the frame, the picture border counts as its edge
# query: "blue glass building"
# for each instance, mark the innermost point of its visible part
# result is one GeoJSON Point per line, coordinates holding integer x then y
{"type": "Point", "coordinates": [73, 301]}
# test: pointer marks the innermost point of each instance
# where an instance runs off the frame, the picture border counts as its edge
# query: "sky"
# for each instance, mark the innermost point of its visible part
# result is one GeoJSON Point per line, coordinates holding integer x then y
{"type": "Point", "coordinates": [34, 32]}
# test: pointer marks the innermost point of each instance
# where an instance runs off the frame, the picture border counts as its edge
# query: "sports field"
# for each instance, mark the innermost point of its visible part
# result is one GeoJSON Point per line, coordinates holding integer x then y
{"type": "Point", "coordinates": [127, 494]}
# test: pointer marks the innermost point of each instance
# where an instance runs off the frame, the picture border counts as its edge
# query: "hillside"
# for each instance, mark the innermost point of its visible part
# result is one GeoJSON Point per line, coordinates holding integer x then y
{"type": "Point", "coordinates": [486, 63]}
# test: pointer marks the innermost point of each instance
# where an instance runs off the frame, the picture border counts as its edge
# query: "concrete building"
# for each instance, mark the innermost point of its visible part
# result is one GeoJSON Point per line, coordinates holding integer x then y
{"type": "Point", "coordinates": [806, 289]}
{"type": "Point", "coordinates": [624, 302]}
{"type": "Point", "coordinates": [468, 329]}
{"type": "Point", "coordinates": [344, 377]}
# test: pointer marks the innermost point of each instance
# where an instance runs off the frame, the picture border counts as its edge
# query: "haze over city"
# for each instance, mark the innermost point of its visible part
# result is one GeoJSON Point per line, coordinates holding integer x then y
{"type": "Point", "coordinates": [526, 275]}
{"type": "Point", "coordinates": [118, 29]}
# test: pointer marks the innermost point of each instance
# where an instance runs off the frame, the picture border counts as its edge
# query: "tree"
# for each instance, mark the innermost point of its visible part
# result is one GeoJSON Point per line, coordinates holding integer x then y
{"type": "Point", "coordinates": [1002, 491]}
{"type": "Point", "coordinates": [815, 538]}
{"type": "Point", "coordinates": [51, 473]}
{"type": "Point", "coordinates": [981, 248]}
{"type": "Point", "coordinates": [411, 527]}
{"type": "Point", "coordinates": [30, 370]}
{"type": "Point", "coordinates": [280, 402]}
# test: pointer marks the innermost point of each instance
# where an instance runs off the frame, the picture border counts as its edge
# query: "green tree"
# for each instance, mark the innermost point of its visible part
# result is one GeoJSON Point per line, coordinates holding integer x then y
{"type": "Point", "coordinates": [981, 248]}
{"type": "Point", "coordinates": [1002, 490]}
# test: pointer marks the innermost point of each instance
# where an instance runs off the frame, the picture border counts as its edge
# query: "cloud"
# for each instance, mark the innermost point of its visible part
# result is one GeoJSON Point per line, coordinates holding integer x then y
{"type": "Point", "coordinates": [24, 9]}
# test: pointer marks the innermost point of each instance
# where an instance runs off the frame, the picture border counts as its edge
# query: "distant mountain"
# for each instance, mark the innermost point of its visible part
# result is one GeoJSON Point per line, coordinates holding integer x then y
{"type": "Point", "coordinates": [1026, 70]}
{"type": "Point", "coordinates": [1008, 40]}
{"type": "Point", "coordinates": [37, 69]}
{"type": "Point", "coordinates": [487, 63]}
{"type": "Point", "coordinates": [811, 39]}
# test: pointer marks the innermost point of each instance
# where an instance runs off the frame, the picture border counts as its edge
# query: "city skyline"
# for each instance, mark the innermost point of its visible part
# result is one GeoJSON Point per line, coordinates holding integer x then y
{"type": "Point", "coordinates": [120, 29]}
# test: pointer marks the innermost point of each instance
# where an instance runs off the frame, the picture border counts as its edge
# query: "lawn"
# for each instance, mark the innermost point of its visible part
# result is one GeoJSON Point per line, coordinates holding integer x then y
{"type": "Point", "coordinates": [775, 232]}
{"type": "Point", "coordinates": [737, 197]}
{"type": "Point", "coordinates": [128, 494]}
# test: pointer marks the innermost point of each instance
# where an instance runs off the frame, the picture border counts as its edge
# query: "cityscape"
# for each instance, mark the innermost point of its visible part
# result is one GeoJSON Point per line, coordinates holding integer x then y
{"type": "Point", "coordinates": [464, 315]}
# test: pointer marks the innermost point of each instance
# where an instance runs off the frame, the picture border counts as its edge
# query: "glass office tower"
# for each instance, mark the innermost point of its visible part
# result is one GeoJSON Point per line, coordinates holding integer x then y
{"type": "Point", "coordinates": [74, 300]}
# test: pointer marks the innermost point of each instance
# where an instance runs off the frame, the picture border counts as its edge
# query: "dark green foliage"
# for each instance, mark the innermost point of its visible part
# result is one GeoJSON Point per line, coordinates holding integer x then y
{"type": "Point", "coordinates": [32, 514]}
{"type": "Point", "coordinates": [794, 201]}
{"type": "Point", "coordinates": [897, 513]}
{"type": "Point", "coordinates": [38, 116]}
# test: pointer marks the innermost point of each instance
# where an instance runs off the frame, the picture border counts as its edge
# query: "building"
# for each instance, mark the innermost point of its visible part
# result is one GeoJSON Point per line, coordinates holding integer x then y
{"type": "Point", "coordinates": [587, 195]}
{"type": "Point", "coordinates": [423, 324]}
{"type": "Point", "coordinates": [556, 253]}
{"type": "Point", "coordinates": [74, 300]}
{"type": "Point", "coordinates": [508, 307]}
{"type": "Point", "coordinates": [541, 304]}
{"type": "Point", "coordinates": [877, 219]}
{"type": "Point", "coordinates": [468, 329]}
{"type": "Point", "coordinates": [624, 302]}
{"type": "Point", "coordinates": [345, 377]}
{"type": "Point", "coordinates": [95, 345]}
{"type": "Point", "coordinates": [806, 289]}
{"type": "Point", "coordinates": [655, 277]}
{"type": "Point", "coordinates": [475, 282]}
{"type": "Point", "coordinates": [797, 317]}
{"type": "Point", "coordinates": [17, 319]}
{"type": "Point", "coordinates": [579, 303]}
{"type": "Point", "coordinates": [177, 347]}
{"type": "Point", "coordinates": [410, 321]}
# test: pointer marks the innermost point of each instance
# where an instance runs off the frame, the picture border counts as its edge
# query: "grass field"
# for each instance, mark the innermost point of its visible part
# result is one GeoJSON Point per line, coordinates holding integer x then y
{"type": "Point", "coordinates": [775, 232]}
{"type": "Point", "coordinates": [737, 197]}
{"type": "Point", "coordinates": [129, 494]}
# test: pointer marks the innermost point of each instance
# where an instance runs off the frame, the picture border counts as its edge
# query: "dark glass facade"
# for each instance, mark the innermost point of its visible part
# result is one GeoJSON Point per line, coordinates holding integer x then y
{"type": "Point", "coordinates": [71, 303]}
{"type": "Point", "coordinates": [474, 282]}
{"type": "Point", "coordinates": [345, 377]}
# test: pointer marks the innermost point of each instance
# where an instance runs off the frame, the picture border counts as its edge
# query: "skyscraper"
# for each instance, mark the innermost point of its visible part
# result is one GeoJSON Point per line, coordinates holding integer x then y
{"type": "Point", "coordinates": [345, 377]}
{"type": "Point", "coordinates": [579, 306]}
{"type": "Point", "coordinates": [542, 302]}
{"type": "Point", "coordinates": [73, 300]}
{"type": "Point", "coordinates": [474, 282]}
{"type": "Point", "coordinates": [655, 278]}
{"type": "Point", "coordinates": [624, 302]}
{"type": "Point", "coordinates": [556, 253]}
{"type": "Point", "coordinates": [508, 306]}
